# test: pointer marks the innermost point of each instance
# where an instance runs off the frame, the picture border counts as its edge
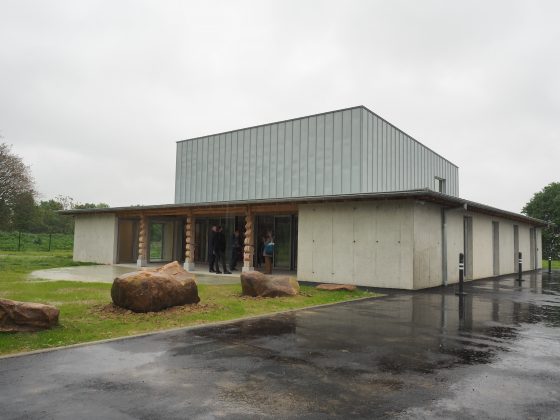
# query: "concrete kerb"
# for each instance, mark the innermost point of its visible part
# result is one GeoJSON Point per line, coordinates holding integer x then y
{"type": "Point", "coordinates": [187, 328]}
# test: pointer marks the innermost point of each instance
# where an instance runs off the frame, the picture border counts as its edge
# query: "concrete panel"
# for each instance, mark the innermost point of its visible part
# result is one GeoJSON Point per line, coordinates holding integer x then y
{"type": "Point", "coordinates": [525, 245]}
{"type": "Point", "coordinates": [483, 264]}
{"type": "Point", "coordinates": [305, 246]}
{"type": "Point", "coordinates": [342, 243]}
{"type": "Point", "coordinates": [427, 245]}
{"type": "Point", "coordinates": [506, 246]}
{"type": "Point", "coordinates": [455, 243]}
{"type": "Point", "coordinates": [95, 238]}
{"type": "Point", "coordinates": [322, 244]}
{"type": "Point", "coordinates": [365, 234]}
{"type": "Point", "coordinates": [369, 244]}
{"type": "Point", "coordinates": [394, 244]}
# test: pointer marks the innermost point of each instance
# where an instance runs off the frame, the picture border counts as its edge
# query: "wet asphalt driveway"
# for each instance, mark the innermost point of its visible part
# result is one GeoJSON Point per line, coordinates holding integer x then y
{"type": "Point", "coordinates": [407, 355]}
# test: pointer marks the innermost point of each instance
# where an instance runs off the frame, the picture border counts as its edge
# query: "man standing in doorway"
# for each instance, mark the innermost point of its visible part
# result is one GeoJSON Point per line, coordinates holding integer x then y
{"type": "Point", "coordinates": [220, 250]}
{"type": "Point", "coordinates": [211, 246]}
{"type": "Point", "coordinates": [235, 249]}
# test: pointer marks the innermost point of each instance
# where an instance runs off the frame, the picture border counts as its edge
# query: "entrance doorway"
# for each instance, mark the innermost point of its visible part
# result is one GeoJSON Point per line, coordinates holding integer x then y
{"type": "Point", "coordinates": [202, 228]}
{"type": "Point", "coordinates": [127, 238]}
{"type": "Point", "coordinates": [283, 229]}
{"type": "Point", "coordinates": [165, 240]}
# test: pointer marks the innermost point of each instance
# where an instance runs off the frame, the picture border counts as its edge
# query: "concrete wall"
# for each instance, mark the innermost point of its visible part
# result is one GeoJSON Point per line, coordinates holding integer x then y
{"type": "Point", "coordinates": [398, 244]}
{"type": "Point", "coordinates": [365, 243]}
{"type": "Point", "coordinates": [95, 238]}
{"type": "Point", "coordinates": [483, 260]}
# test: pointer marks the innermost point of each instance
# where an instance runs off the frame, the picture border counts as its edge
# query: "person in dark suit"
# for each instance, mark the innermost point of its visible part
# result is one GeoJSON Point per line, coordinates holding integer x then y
{"type": "Point", "coordinates": [220, 250]}
{"type": "Point", "coordinates": [236, 246]}
{"type": "Point", "coordinates": [211, 246]}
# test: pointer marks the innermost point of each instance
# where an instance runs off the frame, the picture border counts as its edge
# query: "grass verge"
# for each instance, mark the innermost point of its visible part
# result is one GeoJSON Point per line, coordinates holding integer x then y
{"type": "Point", "coordinates": [86, 312]}
{"type": "Point", "coordinates": [555, 264]}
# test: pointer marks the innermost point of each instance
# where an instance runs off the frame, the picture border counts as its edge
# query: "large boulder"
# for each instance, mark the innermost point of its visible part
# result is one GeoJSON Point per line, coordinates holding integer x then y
{"type": "Point", "coordinates": [26, 316]}
{"type": "Point", "coordinates": [152, 290]}
{"type": "Point", "coordinates": [254, 283]}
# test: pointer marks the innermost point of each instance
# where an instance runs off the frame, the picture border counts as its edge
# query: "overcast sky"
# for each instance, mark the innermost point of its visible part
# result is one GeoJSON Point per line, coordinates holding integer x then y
{"type": "Point", "coordinates": [94, 94]}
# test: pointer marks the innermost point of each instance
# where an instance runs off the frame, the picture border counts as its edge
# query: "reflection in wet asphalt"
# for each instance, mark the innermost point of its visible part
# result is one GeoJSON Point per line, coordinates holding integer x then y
{"type": "Point", "coordinates": [428, 354]}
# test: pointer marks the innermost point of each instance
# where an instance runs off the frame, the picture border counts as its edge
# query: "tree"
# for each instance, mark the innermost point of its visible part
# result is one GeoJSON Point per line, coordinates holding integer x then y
{"type": "Point", "coordinates": [15, 183]}
{"type": "Point", "coordinates": [545, 205]}
{"type": "Point", "coordinates": [25, 213]}
{"type": "Point", "coordinates": [91, 206]}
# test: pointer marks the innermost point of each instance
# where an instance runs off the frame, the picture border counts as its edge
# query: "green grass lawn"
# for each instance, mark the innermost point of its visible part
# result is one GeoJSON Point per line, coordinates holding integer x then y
{"type": "Point", "coordinates": [555, 264]}
{"type": "Point", "coordinates": [86, 313]}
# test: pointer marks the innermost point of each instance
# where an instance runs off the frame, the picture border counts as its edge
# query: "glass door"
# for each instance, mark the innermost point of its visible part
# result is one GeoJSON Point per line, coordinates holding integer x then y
{"type": "Point", "coordinates": [161, 240]}
{"type": "Point", "coordinates": [282, 241]}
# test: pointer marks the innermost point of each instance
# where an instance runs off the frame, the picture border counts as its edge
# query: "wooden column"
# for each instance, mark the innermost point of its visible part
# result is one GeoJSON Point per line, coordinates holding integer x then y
{"type": "Point", "coordinates": [189, 243]}
{"type": "Point", "coordinates": [249, 247]}
{"type": "Point", "coordinates": [142, 242]}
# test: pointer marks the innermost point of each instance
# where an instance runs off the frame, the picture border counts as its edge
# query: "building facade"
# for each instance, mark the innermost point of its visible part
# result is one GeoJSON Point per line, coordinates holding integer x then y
{"type": "Point", "coordinates": [348, 197]}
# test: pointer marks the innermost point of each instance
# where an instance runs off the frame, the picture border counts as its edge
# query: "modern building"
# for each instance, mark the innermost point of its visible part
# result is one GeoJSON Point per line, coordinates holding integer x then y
{"type": "Point", "coordinates": [349, 197]}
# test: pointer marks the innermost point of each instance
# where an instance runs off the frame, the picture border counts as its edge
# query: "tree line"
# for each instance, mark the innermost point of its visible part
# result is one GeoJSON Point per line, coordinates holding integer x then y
{"type": "Point", "coordinates": [545, 205]}
{"type": "Point", "coordinates": [20, 210]}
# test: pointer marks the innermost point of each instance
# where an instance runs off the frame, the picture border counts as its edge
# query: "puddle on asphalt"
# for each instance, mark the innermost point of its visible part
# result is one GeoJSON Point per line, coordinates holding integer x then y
{"type": "Point", "coordinates": [422, 351]}
{"type": "Point", "coordinates": [417, 332]}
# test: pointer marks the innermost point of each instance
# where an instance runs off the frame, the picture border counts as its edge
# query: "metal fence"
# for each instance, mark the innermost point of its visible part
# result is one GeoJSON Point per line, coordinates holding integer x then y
{"type": "Point", "coordinates": [46, 242]}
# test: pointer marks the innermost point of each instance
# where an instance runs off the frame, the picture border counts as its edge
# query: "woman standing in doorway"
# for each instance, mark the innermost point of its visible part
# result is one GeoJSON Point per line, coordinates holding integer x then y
{"type": "Point", "coordinates": [268, 253]}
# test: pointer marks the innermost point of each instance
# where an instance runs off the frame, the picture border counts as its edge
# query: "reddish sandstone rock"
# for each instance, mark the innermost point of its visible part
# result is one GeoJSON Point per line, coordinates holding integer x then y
{"type": "Point", "coordinates": [175, 270]}
{"type": "Point", "coordinates": [152, 290]}
{"type": "Point", "coordinates": [254, 283]}
{"type": "Point", "coordinates": [329, 286]}
{"type": "Point", "coordinates": [26, 316]}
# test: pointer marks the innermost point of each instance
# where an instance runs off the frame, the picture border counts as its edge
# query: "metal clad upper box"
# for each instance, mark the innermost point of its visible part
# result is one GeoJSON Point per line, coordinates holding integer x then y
{"type": "Point", "coordinates": [347, 151]}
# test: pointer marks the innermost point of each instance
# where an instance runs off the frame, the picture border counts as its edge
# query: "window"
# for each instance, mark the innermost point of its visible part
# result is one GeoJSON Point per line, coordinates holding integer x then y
{"type": "Point", "coordinates": [439, 185]}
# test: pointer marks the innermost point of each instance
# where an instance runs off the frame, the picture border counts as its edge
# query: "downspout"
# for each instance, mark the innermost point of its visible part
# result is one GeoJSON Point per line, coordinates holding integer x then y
{"type": "Point", "coordinates": [444, 240]}
{"type": "Point", "coordinates": [444, 245]}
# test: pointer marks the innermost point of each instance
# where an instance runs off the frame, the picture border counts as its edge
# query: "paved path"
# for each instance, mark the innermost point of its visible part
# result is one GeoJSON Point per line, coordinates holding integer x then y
{"type": "Point", "coordinates": [408, 355]}
{"type": "Point", "coordinates": [107, 273]}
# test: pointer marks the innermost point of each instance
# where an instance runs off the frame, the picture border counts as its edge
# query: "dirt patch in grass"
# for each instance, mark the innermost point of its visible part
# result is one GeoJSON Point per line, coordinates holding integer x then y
{"type": "Point", "coordinates": [113, 311]}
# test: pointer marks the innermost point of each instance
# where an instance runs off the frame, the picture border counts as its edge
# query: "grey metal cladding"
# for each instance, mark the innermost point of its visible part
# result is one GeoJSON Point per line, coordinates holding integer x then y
{"type": "Point", "coordinates": [341, 152]}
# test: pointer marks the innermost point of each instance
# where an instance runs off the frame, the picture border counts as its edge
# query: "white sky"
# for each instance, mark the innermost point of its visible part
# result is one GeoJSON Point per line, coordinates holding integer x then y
{"type": "Point", "coordinates": [93, 95]}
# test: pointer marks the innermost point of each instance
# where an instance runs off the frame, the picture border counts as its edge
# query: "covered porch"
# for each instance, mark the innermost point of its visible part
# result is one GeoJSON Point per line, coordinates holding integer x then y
{"type": "Point", "coordinates": [155, 236]}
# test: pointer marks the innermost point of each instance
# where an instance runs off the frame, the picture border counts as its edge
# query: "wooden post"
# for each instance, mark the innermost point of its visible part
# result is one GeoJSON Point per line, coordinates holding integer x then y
{"type": "Point", "coordinates": [248, 248]}
{"type": "Point", "coordinates": [189, 243]}
{"type": "Point", "coordinates": [143, 242]}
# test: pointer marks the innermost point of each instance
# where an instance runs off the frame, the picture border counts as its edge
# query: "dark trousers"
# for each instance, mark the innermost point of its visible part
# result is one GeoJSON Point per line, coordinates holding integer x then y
{"type": "Point", "coordinates": [220, 257]}
{"type": "Point", "coordinates": [234, 258]}
{"type": "Point", "coordinates": [211, 260]}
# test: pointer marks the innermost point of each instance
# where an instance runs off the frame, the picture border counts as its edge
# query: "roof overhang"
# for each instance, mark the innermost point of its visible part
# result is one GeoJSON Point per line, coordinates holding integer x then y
{"type": "Point", "coordinates": [291, 203]}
